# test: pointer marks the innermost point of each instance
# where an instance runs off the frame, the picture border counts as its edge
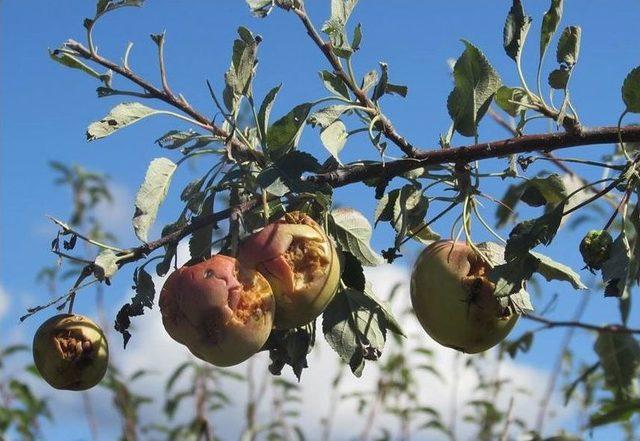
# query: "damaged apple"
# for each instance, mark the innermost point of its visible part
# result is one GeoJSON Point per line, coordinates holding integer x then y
{"type": "Point", "coordinates": [70, 352]}
{"type": "Point", "coordinates": [454, 300]}
{"type": "Point", "coordinates": [222, 312]}
{"type": "Point", "coordinates": [300, 262]}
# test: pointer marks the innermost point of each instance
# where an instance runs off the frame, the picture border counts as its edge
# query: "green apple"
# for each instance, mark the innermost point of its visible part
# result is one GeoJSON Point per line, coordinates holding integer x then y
{"type": "Point", "coordinates": [454, 300]}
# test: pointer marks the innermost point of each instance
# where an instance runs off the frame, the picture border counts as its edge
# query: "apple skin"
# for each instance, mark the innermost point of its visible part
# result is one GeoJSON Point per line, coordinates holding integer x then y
{"type": "Point", "coordinates": [71, 352]}
{"type": "Point", "coordinates": [222, 312]}
{"type": "Point", "coordinates": [300, 262]}
{"type": "Point", "coordinates": [453, 299]}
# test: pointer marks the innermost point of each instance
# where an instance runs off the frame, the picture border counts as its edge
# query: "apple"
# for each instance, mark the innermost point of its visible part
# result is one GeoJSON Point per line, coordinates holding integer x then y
{"type": "Point", "coordinates": [70, 351]}
{"type": "Point", "coordinates": [300, 262]}
{"type": "Point", "coordinates": [454, 300]}
{"type": "Point", "coordinates": [219, 310]}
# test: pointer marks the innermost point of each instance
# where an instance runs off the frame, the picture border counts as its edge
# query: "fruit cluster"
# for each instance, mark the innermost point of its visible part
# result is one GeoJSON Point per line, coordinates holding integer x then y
{"type": "Point", "coordinates": [223, 309]}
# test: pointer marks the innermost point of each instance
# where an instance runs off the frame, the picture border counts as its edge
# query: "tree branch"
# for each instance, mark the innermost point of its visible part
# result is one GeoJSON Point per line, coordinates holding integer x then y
{"type": "Point", "coordinates": [239, 150]}
{"type": "Point", "coordinates": [384, 124]}
{"type": "Point", "coordinates": [548, 324]}
{"type": "Point", "coordinates": [547, 142]}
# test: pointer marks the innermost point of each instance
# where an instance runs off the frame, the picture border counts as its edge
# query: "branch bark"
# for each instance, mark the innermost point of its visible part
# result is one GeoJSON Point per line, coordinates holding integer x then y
{"type": "Point", "coordinates": [547, 142]}
{"type": "Point", "coordinates": [239, 150]}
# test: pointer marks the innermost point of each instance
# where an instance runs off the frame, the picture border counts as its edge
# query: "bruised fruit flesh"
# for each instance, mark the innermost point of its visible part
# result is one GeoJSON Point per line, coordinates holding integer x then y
{"type": "Point", "coordinates": [223, 313]}
{"type": "Point", "coordinates": [454, 300]}
{"type": "Point", "coordinates": [70, 352]}
{"type": "Point", "coordinates": [301, 264]}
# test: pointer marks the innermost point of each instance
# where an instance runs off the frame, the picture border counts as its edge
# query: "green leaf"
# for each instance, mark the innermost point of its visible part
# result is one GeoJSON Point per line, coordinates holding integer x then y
{"type": "Point", "coordinates": [175, 139]}
{"type": "Point", "coordinates": [614, 412]}
{"type": "Point", "coordinates": [529, 234]}
{"type": "Point", "coordinates": [615, 270]}
{"type": "Point", "coordinates": [120, 116]}
{"type": "Point", "coordinates": [569, 46]}
{"type": "Point", "coordinates": [552, 270]}
{"type": "Point", "coordinates": [328, 115]}
{"type": "Point", "coordinates": [369, 80]}
{"type": "Point", "coordinates": [334, 137]}
{"type": "Point", "coordinates": [384, 87]}
{"type": "Point", "coordinates": [353, 232]}
{"type": "Point", "coordinates": [559, 78]}
{"type": "Point", "coordinates": [631, 91]}
{"type": "Point", "coordinates": [151, 194]}
{"type": "Point", "coordinates": [105, 264]}
{"type": "Point", "coordinates": [351, 325]}
{"type": "Point", "coordinates": [284, 174]}
{"type": "Point", "coordinates": [549, 25]}
{"type": "Point", "coordinates": [265, 110]}
{"type": "Point", "coordinates": [619, 356]}
{"type": "Point", "coordinates": [476, 82]}
{"type": "Point", "coordinates": [104, 6]}
{"type": "Point", "coordinates": [284, 134]}
{"type": "Point", "coordinates": [239, 77]}
{"type": "Point", "coordinates": [515, 30]}
{"type": "Point", "coordinates": [200, 240]}
{"type": "Point", "coordinates": [505, 210]}
{"type": "Point", "coordinates": [509, 97]}
{"type": "Point", "coordinates": [334, 84]}
{"type": "Point", "coordinates": [260, 8]}
{"type": "Point", "coordinates": [73, 62]}
{"type": "Point", "coordinates": [551, 188]}
{"type": "Point", "coordinates": [335, 27]}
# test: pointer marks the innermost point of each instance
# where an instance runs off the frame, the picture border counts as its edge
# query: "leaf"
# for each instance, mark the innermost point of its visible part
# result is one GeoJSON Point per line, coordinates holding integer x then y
{"type": "Point", "coordinates": [289, 347]}
{"type": "Point", "coordinates": [144, 297]}
{"type": "Point", "coordinates": [552, 270]}
{"type": "Point", "coordinates": [239, 76]}
{"type": "Point", "coordinates": [384, 87]}
{"type": "Point", "coordinates": [515, 31]}
{"type": "Point", "coordinates": [509, 277]}
{"type": "Point", "coordinates": [334, 137]}
{"type": "Point", "coordinates": [105, 265]}
{"type": "Point", "coordinates": [549, 25]}
{"type": "Point", "coordinates": [72, 62]}
{"type": "Point", "coordinates": [631, 91]}
{"type": "Point", "coordinates": [104, 6]}
{"type": "Point", "coordinates": [619, 356]}
{"type": "Point", "coordinates": [120, 116]}
{"type": "Point", "coordinates": [505, 210]}
{"type": "Point", "coordinates": [328, 115]}
{"type": "Point", "coordinates": [200, 240]}
{"type": "Point", "coordinates": [352, 272]}
{"type": "Point", "coordinates": [175, 139]}
{"type": "Point", "coordinates": [335, 27]}
{"type": "Point", "coordinates": [613, 412]}
{"type": "Point", "coordinates": [551, 188]}
{"type": "Point", "coordinates": [260, 8]}
{"type": "Point", "coordinates": [151, 194]}
{"type": "Point", "coordinates": [284, 134]}
{"type": "Point", "coordinates": [509, 97]}
{"type": "Point", "coordinates": [529, 234]}
{"type": "Point", "coordinates": [352, 328]}
{"type": "Point", "coordinates": [369, 80]}
{"type": "Point", "coordinates": [170, 249]}
{"type": "Point", "coordinates": [284, 174]}
{"type": "Point", "coordinates": [559, 78]}
{"type": "Point", "coordinates": [475, 84]}
{"type": "Point", "coordinates": [334, 84]}
{"type": "Point", "coordinates": [569, 46]}
{"type": "Point", "coordinates": [353, 232]}
{"type": "Point", "coordinates": [615, 270]}
{"type": "Point", "coordinates": [265, 110]}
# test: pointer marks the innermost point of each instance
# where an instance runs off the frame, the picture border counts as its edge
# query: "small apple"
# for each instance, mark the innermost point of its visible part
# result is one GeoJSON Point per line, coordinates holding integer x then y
{"type": "Point", "coordinates": [70, 352]}
{"type": "Point", "coordinates": [595, 248]}
{"type": "Point", "coordinates": [300, 262]}
{"type": "Point", "coordinates": [222, 312]}
{"type": "Point", "coordinates": [454, 300]}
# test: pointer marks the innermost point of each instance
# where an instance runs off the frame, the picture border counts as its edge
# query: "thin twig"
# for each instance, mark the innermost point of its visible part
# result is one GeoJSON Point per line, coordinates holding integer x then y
{"type": "Point", "coordinates": [327, 49]}
{"type": "Point", "coordinates": [549, 324]}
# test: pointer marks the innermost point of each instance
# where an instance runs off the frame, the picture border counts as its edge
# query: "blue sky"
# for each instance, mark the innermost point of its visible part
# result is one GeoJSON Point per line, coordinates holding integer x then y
{"type": "Point", "coordinates": [46, 108]}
